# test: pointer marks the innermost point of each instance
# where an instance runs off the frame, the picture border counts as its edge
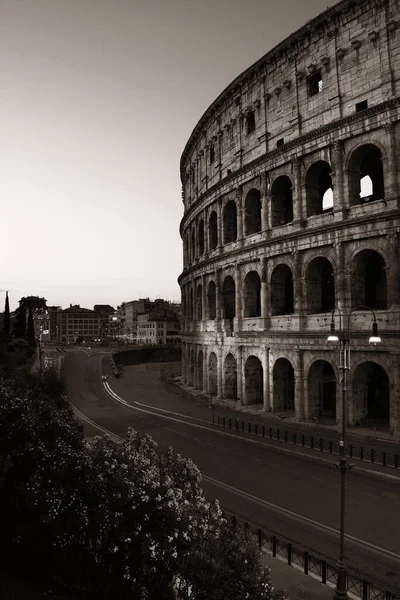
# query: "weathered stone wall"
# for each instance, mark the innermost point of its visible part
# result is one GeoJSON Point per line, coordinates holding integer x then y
{"type": "Point", "coordinates": [291, 196]}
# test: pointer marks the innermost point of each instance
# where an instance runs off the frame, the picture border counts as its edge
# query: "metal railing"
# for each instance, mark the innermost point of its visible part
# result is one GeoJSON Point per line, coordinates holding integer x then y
{"type": "Point", "coordinates": [312, 442]}
{"type": "Point", "coordinates": [310, 564]}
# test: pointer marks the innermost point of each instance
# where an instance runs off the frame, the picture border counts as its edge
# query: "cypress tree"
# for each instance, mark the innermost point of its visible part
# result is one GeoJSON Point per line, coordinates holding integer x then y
{"type": "Point", "coordinates": [30, 334]}
{"type": "Point", "coordinates": [19, 329]}
{"type": "Point", "coordinates": [6, 323]}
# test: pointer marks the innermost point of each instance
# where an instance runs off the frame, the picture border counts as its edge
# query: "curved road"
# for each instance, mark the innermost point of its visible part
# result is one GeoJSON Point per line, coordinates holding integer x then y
{"type": "Point", "coordinates": [285, 493]}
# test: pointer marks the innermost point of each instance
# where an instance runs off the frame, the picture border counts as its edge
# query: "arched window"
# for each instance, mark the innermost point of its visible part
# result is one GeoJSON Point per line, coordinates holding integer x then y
{"type": "Point", "coordinates": [201, 237]}
{"type": "Point", "coordinates": [228, 298]}
{"type": "Point", "coordinates": [213, 230]}
{"type": "Point", "coordinates": [230, 222]}
{"type": "Point", "coordinates": [252, 295]}
{"type": "Point", "coordinates": [213, 374]}
{"type": "Point", "coordinates": [282, 301]}
{"type": "Point", "coordinates": [371, 395]}
{"type": "Point", "coordinates": [366, 181]}
{"type": "Point", "coordinates": [200, 359]}
{"type": "Point", "coordinates": [318, 182]}
{"type": "Point", "coordinates": [321, 390]}
{"type": "Point", "coordinates": [368, 281]}
{"type": "Point", "coordinates": [253, 377]}
{"type": "Point", "coordinates": [283, 382]}
{"type": "Point", "coordinates": [320, 286]}
{"type": "Point", "coordinates": [211, 300]}
{"type": "Point", "coordinates": [230, 377]}
{"type": "Point", "coordinates": [252, 212]}
{"type": "Point", "coordinates": [281, 201]}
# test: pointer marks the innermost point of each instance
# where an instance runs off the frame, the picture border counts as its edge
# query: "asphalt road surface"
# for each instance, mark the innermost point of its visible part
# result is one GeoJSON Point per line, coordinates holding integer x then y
{"type": "Point", "coordinates": [293, 496]}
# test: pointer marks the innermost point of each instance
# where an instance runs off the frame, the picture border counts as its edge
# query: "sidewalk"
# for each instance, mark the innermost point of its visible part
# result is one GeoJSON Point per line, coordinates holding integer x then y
{"type": "Point", "coordinates": [293, 583]}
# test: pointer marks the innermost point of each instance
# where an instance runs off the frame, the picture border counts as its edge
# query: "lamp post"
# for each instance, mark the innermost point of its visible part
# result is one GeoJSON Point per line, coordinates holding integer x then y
{"type": "Point", "coordinates": [344, 365]}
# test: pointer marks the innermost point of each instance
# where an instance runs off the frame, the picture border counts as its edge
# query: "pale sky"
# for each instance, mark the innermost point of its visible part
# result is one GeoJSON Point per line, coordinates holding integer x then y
{"type": "Point", "coordinates": [98, 99]}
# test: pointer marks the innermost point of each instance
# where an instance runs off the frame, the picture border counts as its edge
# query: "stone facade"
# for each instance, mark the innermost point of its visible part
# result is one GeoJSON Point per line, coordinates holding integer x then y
{"type": "Point", "coordinates": [290, 185]}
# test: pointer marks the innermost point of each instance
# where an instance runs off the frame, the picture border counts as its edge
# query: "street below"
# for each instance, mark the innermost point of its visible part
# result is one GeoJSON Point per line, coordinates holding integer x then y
{"type": "Point", "coordinates": [293, 496]}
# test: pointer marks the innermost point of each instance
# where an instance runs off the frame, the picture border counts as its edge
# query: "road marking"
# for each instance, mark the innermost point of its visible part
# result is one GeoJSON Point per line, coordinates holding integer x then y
{"type": "Point", "coordinates": [317, 478]}
{"type": "Point", "coordinates": [265, 503]}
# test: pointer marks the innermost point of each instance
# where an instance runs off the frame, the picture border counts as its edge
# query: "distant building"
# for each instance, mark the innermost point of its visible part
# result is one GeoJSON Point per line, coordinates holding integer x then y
{"type": "Point", "coordinates": [158, 327]}
{"type": "Point", "coordinates": [104, 311]}
{"type": "Point", "coordinates": [129, 311]}
{"type": "Point", "coordinates": [76, 322]}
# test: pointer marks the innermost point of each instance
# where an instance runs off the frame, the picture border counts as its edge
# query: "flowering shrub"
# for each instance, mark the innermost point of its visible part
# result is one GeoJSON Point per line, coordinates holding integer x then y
{"type": "Point", "coordinates": [120, 519]}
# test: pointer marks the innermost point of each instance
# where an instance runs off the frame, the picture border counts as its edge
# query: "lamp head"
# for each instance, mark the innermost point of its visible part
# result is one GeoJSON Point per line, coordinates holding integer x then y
{"type": "Point", "coordinates": [374, 339]}
{"type": "Point", "coordinates": [333, 337]}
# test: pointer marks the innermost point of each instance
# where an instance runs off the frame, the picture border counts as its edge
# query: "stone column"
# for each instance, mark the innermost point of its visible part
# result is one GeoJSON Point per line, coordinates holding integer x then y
{"type": "Point", "coordinates": [218, 302]}
{"type": "Point", "coordinates": [238, 298]}
{"type": "Point", "coordinates": [220, 228]}
{"type": "Point", "coordinates": [299, 386]}
{"type": "Point", "coordinates": [391, 174]}
{"type": "Point", "coordinates": [340, 203]}
{"type": "Point", "coordinates": [194, 288]}
{"type": "Point", "coordinates": [205, 371]}
{"type": "Point", "coordinates": [393, 272]}
{"type": "Point", "coordinates": [219, 374]}
{"type": "Point", "coordinates": [196, 370]}
{"type": "Point", "coordinates": [264, 294]}
{"type": "Point", "coordinates": [196, 239]}
{"type": "Point", "coordinates": [340, 279]}
{"type": "Point", "coordinates": [239, 370]}
{"type": "Point", "coordinates": [395, 397]}
{"type": "Point", "coordinates": [299, 290]}
{"type": "Point", "coordinates": [206, 233]}
{"type": "Point", "coordinates": [183, 363]}
{"type": "Point", "coordinates": [298, 213]}
{"type": "Point", "coordinates": [265, 226]}
{"type": "Point", "coordinates": [204, 315]}
{"type": "Point", "coordinates": [266, 377]}
{"type": "Point", "coordinates": [240, 212]}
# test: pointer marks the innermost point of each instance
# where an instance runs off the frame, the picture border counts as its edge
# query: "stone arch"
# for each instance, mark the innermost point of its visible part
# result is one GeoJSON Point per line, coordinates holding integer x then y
{"type": "Point", "coordinates": [252, 212]}
{"type": "Point", "coordinates": [199, 302]}
{"type": "Point", "coordinates": [320, 286]}
{"type": "Point", "coordinates": [213, 230]}
{"type": "Point", "coordinates": [201, 237]}
{"type": "Point", "coordinates": [283, 385]}
{"type": "Point", "coordinates": [230, 377]}
{"type": "Point", "coordinates": [200, 364]}
{"type": "Point", "coordinates": [371, 395]}
{"type": "Point", "coordinates": [252, 295]}
{"type": "Point", "coordinates": [318, 181]}
{"type": "Point", "coordinates": [322, 390]}
{"type": "Point", "coordinates": [230, 222]}
{"type": "Point", "coordinates": [212, 300]}
{"type": "Point", "coordinates": [253, 377]}
{"type": "Point", "coordinates": [365, 174]}
{"type": "Point", "coordinates": [281, 201]}
{"type": "Point", "coordinates": [368, 280]}
{"type": "Point", "coordinates": [282, 297]}
{"type": "Point", "coordinates": [213, 374]}
{"type": "Point", "coordinates": [229, 297]}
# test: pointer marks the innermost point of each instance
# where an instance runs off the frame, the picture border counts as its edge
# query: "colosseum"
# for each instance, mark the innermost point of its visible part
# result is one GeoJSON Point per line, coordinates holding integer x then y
{"type": "Point", "coordinates": [290, 185]}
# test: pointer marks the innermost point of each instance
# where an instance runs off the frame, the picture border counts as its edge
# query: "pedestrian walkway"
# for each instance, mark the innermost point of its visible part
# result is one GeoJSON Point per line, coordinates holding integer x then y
{"type": "Point", "coordinates": [293, 583]}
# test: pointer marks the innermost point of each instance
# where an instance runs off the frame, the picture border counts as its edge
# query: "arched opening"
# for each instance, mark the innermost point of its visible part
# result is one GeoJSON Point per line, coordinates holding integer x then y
{"type": "Point", "coordinates": [213, 230]}
{"type": "Point", "coordinates": [191, 368]}
{"type": "Point", "coordinates": [281, 201]}
{"type": "Point", "coordinates": [320, 286]}
{"type": "Point", "coordinates": [318, 182]}
{"type": "Point", "coordinates": [252, 212]}
{"type": "Point", "coordinates": [201, 237]}
{"type": "Point", "coordinates": [252, 295]}
{"type": "Point", "coordinates": [366, 180]}
{"type": "Point", "coordinates": [199, 302]}
{"type": "Point", "coordinates": [200, 359]}
{"type": "Point", "coordinates": [230, 222]}
{"type": "Point", "coordinates": [212, 300]}
{"type": "Point", "coordinates": [371, 395]}
{"type": "Point", "coordinates": [228, 298]}
{"type": "Point", "coordinates": [186, 251]}
{"type": "Point", "coordinates": [191, 304]}
{"type": "Point", "coordinates": [368, 281]}
{"type": "Point", "coordinates": [322, 390]}
{"type": "Point", "coordinates": [188, 247]}
{"type": "Point", "coordinates": [283, 379]}
{"type": "Point", "coordinates": [230, 377]}
{"type": "Point", "coordinates": [213, 374]}
{"type": "Point", "coordinates": [282, 300]}
{"type": "Point", "coordinates": [253, 375]}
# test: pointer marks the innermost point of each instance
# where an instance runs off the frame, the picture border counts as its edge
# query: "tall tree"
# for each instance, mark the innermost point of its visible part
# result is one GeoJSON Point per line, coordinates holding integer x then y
{"type": "Point", "coordinates": [6, 323]}
{"type": "Point", "coordinates": [30, 334]}
{"type": "Point", "coordinates": [19, 329]}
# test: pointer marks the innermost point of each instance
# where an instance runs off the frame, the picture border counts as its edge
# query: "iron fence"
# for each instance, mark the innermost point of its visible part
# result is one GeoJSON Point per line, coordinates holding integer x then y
{"type": "Point", "coordinates": [312, 565]}
{"type": "Point", "coordinates": [312, 442]}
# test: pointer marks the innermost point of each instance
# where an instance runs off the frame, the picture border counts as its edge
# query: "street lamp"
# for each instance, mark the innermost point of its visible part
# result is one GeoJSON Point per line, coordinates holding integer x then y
{"type": "Point", "coordinates": [344, 365]}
